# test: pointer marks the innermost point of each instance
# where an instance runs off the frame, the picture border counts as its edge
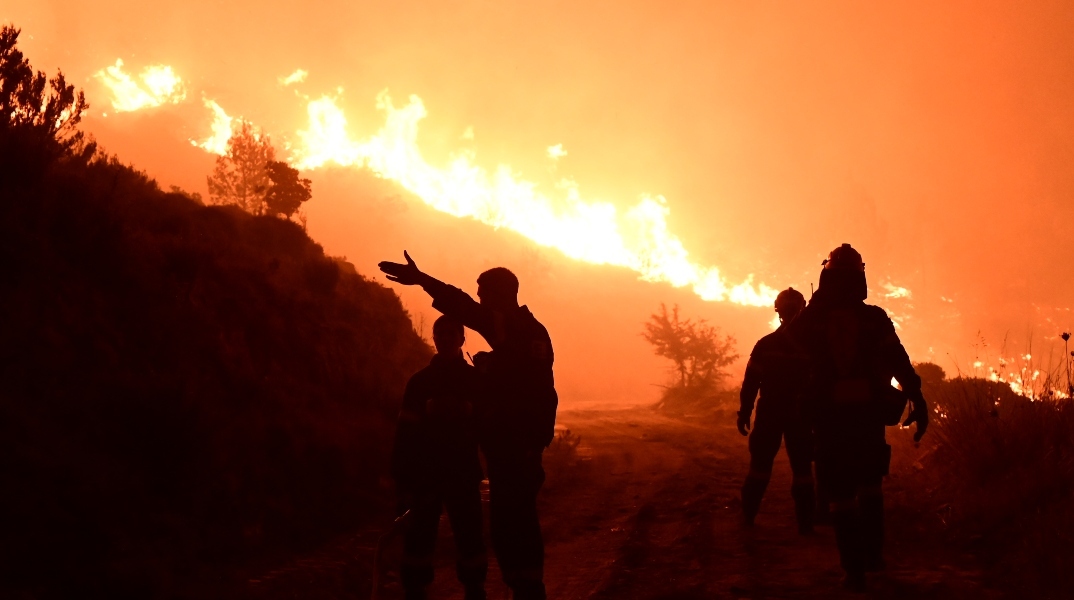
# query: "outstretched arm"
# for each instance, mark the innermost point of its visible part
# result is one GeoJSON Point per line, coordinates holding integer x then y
{"type": "Point", "coordinates": [447, 299]}
{"type": "Point", "coordinates": [408, 273]}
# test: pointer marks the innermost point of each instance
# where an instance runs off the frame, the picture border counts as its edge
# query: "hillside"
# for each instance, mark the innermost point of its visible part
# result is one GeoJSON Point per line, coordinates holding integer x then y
{"type": "Point", "coordinates": [188, 390]}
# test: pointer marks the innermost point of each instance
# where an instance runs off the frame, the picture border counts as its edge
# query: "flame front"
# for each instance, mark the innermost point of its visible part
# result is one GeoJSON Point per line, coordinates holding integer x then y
{"type": "Point", "coordinates": [594, 232]}
{"type": "Point", "coordinates": [591, 231]}
{"type": "Point", "coordinates": [221, 128]}
{"type": "Point", "coordinates": [159, 85]}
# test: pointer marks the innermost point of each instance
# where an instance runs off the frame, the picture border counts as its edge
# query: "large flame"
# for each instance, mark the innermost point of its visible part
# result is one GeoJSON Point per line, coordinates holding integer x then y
{"type": "Point", "coordinates": [221, 130]}
{"type": "Point", "coordinates": [159, 85]}
{"type": "Point", "coordinates": [595, 232]}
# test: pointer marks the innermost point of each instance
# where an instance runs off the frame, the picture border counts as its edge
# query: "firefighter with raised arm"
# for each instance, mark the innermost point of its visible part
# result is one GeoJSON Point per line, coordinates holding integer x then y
{"type": "Point", "coordinates": [778, 369]}
{"type": "Point", "coordinates": [517, 411]}
{"type": "Point", "coordinates": [436, 466]}
{"type": "Point", "coordinates": [854, 352]}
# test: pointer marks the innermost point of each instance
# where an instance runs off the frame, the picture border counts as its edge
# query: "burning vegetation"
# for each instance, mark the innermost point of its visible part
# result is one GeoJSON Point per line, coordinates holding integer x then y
{"type": "Point", "coordinates": [191, 389]}
{"type": "Point", "coordinates": [593, 231]}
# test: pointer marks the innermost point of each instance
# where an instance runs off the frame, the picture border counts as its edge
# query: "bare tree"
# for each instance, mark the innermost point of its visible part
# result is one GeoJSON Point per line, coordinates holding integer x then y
{"type": "Point", "coordinates": [241, 176]}
{"type": "Point", "coordinates": [699, 351]}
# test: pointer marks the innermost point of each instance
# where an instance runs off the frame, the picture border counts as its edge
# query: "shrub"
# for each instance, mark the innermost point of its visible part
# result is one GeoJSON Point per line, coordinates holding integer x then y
{"type": "Point", "coordinates": [1003, 468]}
{"type": "Point", "coordinates": [187, 389]}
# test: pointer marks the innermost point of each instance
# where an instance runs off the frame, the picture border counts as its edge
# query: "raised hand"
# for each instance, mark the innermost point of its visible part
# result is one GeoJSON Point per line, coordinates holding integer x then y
{"type": "Point", "coordinates": [406, 274]}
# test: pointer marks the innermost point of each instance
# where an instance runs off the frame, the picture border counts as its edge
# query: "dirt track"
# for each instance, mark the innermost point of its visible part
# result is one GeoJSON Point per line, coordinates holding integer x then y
{"type": "Point", "coordinates": [648, 509]}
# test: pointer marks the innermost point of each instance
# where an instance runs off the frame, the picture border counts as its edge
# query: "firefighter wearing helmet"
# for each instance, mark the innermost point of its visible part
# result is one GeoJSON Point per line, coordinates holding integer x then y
{"type": "Point", "coordinates": [854, 352]}
{"type": "Point", "coordinates": [778, 369]}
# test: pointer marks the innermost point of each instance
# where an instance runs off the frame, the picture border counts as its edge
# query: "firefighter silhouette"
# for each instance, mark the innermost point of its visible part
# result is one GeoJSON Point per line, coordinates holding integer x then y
{"type": "Point", "coordinates": [778, 369]}
{"type": "Point", "coordinates": [435, 465]}
{"type": "Point", "coordinates": [854, 352]}
{"type": "Point", "coordinates": [516, 411]}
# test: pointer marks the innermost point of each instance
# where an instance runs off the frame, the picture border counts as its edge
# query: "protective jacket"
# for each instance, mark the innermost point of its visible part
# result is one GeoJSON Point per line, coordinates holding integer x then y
{"type": "Point", "coordinates": [854, 353]}
{"type": "Point", "coordinates": [518, 400]}
{"type": "Point", "coordinates": [779, 369]}
{"type": "Point", "coordinates": [436, 441]}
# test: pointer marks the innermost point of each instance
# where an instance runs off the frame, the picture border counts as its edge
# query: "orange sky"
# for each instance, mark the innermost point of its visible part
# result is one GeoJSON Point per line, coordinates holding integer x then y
{"type": "Point", "coordinates": [938, 138]}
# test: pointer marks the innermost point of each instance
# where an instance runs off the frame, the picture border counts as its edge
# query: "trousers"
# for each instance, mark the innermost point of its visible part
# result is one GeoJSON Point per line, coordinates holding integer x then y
{"type": "Point", "coordinates": [515, 478]}
{"type": "Point", "coordinates": [463, 504]}
{"type": "Point", "coordinates": [769, 432]}
{"type": "Point", "coordinates": [851, 470]}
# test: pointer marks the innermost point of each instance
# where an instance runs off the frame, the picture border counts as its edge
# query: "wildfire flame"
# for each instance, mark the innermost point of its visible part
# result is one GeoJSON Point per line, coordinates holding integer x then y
{"type": "Point", "coordinates": [297, 77]}
{"type": "Point", "coordinates": [159, 85]}
{"type": "Point", "coordinates": [894, 291]}
{"type": "Point", "coordinates": [594, 232]}
{"type": "Point", "coordinates": [591, 231]}
{"type": "Point", "coordinates": [221, 128]}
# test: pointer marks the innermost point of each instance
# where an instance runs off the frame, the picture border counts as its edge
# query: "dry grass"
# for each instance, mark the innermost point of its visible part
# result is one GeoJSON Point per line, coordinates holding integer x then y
{"type": "Point", "coordinates": [1001, 473]}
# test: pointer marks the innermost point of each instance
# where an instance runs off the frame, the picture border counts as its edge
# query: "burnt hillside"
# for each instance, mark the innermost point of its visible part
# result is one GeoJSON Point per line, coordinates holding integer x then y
{"type": "Point", "coordinates": [186, 390]}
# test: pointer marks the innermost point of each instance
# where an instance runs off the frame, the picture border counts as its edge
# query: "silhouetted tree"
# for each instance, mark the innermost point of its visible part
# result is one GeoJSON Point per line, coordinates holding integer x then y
{"type": "Point", "coordinates": [931, 374]}
{"type": "Point", "coordinates": [46, 109]}
{"type": "Point", "coordinates": [287, 191]}
{"type": "Point", "coordinates": [699, 351]}
{"type": "Point", "coordinates": [241, 176]}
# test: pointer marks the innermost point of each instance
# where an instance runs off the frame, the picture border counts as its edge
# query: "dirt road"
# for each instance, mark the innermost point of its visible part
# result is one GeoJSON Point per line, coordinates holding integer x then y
{"type": "Point", "coordinates": [647, 507]}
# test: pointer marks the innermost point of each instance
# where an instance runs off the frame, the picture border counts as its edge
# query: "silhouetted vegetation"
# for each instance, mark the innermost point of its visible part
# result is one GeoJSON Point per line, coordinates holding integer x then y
{"type": "Point", "coordinates": [188, 390]}
{"type": "Point", "coordinates": [700, 355]}
{"type": "Point", "coordinates": [249, 176]}
{"type": "Point", "coordinates": [1001, 473]}
{"type": "Point", "coordinates": [287, 191]}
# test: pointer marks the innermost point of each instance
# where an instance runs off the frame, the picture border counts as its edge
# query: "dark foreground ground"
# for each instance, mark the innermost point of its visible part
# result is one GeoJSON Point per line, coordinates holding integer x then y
{"type": "Point", "coordinates": [647, 507]}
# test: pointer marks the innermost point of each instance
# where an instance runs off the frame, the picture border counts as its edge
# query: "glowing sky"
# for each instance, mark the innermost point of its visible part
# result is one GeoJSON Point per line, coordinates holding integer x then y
{"type": "Point", "coordinates": [938, 139]}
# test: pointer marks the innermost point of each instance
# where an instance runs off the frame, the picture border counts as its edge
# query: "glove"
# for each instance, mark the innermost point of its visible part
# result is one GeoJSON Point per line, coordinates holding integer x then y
{"type": "Point", "coordinates": [744, 422]}
{"type": "Point", "coordinates": [919, 413]}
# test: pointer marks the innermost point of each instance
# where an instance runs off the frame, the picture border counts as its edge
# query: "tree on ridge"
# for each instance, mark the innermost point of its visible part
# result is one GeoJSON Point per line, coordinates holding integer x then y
{"type": "Point", "coordinates": [241, 176]}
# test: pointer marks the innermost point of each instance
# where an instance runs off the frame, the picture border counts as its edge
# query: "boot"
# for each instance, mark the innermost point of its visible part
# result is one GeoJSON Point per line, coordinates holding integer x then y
{"type": "Point", "coordinates": [823, 515]}
{"type": "Point", "coordinates": [752, 492]}
{"type": "Point", "coordinates": [804, 506]}
{"type": "Point", "coordinates": [855, 582]}
{"type": "Point", "coordinates": [530, 590]}
{"type": "Point", "coordinates": [871, 508]}
{"type": "Point", "coordinates": [848, 539]}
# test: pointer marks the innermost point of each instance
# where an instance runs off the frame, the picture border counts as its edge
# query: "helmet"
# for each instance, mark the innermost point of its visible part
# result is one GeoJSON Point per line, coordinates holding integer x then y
{"type": "Point", "coordinates": [844, 258]}
{"type": "Point", "coordinates": [789, 298]}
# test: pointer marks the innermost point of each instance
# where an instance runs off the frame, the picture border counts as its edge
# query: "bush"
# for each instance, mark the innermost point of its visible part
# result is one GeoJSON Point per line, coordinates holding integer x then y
{"type": "Point", "coordinates": [187, 389]}
{"type": "Point", "coordinates": [1003, 469]}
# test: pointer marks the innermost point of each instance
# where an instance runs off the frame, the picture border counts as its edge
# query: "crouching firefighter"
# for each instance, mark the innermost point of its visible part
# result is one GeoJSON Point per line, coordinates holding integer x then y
{"type": "Point", "coordinates": [778, 368]}
{"type": "Point", "coordinates": [435, 465]}
{"type": "Point", "coordinates": [854, 354]}
{"type": "Point", "coordinates": [517, 413]}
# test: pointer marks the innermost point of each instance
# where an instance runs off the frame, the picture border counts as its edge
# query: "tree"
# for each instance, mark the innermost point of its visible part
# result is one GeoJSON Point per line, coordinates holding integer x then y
{"type": "Point", "coordinates": [287, 191]}
{"type": "Point", "coordinates": [241, 176]}
{"type": "Point", "coordinates": [698, 350]}
{"type": "Point", "coordinates": [47, 109]}
{"type": "Point", "coordinates": [931, 374]}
